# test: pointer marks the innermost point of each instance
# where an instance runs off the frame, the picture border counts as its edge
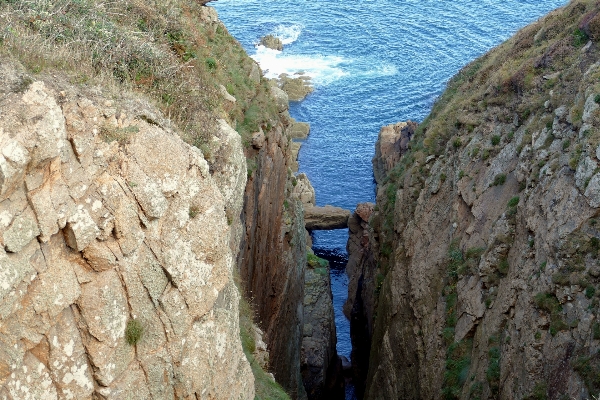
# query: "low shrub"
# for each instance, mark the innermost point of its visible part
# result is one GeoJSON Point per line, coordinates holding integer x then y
{"type": "Point", "coordinates": [133, 332]}
{"type": "Point", "coordinates": [499, 180]}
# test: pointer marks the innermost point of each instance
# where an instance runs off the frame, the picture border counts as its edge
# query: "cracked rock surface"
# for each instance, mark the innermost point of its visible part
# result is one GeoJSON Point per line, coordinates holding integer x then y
{"type": "Point", "coordinates": [96, 232]}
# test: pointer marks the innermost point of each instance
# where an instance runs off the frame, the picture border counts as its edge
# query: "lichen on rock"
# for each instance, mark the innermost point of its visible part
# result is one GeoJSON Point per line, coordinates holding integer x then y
{"type": "Point", "coordinates": [108, 238]}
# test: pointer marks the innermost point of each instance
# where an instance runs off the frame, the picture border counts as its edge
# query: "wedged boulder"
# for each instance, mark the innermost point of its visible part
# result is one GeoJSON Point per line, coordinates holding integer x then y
{"type": "Point", "coordinates": [324, 218]}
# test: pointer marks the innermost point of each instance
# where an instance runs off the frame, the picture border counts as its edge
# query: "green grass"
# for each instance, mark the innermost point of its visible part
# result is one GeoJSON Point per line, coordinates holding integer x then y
{"type": "Point", "coordinates": [503, 266]}
{"type": "Point", "coordinates": [596, 331]}
{"type": "Point", "coordinates": [492, 373]}
{"type": "Point", "coordinates": [540, 391]}
{"type": "Point", "coordinates": [590, 291]}
{"type": "Point", "coordinates": [513, 201]}
{"type": "Point", "coordinates": [547, 302]}
{"type": "Point", "coordinates": [316, 262]}
{"type": "Point", "coordinates": [499, 180]}
{"type": "Point", "coordinates": [133, 332]}
{"type": "Point", "coordinates": [588, 368]}
{"type": "Point", "coordinates": [580, 38]}
{"type": "Point", "coordinates": [165, 50]}
{"type": "Point", "coordinates": [458, 363]}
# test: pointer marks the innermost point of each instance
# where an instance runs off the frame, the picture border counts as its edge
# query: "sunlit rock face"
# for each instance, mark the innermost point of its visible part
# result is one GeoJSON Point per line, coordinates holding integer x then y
{"type": "Point", "coordinates": [106, 219]}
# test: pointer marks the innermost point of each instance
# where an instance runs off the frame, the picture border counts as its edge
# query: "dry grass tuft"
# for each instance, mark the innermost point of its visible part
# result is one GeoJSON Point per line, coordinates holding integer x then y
{"type": "Point", "coordinates": [172, 50]}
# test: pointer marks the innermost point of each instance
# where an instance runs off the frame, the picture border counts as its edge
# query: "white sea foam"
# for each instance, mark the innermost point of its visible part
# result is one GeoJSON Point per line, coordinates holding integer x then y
{"type": "Point", "coordinates": [322, 69]}
{"type": "Point", "coordinates": [379, 70]}
{"type": "Point", "coordinates": [288, 34]}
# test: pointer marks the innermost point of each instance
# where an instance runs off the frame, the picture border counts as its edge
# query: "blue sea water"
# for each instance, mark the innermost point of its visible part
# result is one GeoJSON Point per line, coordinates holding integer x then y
{"type": "Point", "coordinates": [373, 63]}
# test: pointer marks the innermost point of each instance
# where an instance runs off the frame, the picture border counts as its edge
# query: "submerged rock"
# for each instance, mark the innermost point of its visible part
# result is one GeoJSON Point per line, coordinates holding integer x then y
{"type": "Point", "coordinates": [271, 42]}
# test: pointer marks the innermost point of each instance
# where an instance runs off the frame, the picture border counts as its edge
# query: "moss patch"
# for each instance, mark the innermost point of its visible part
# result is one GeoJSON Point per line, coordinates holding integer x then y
{"type": "Point", "coordinates": [133, 332]}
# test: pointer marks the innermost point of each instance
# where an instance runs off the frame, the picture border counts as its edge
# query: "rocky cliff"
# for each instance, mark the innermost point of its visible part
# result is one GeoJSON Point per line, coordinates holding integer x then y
{"type": "Point", "coordinates": [485, 235]}
{"type": "Point", "coordinates": [144, 163]}
{"type": "Point", "coordinates": [272, 258]}
{"type": "Point", "coordinates": [320, 364]}
{"type": "Point", "coordinates": [113, 284]}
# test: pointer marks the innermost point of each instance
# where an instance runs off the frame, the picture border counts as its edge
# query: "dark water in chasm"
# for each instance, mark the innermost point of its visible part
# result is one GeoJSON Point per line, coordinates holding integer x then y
{"type": "Point", "coordinates": [373, 63]}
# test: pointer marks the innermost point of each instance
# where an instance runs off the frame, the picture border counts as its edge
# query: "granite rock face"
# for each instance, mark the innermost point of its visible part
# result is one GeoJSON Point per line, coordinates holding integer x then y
{"type": "Point", "coordinates": [304, 191]}
{"type": "Point", "coordinates": [95, 233]}
{"type": "Point", "coordinates": [391, 144]}
{"type": "Point", "coordinates": [484, 239]}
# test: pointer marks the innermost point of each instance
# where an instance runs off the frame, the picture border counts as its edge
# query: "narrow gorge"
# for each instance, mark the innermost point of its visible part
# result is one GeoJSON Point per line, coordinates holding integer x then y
{"type": "Point", "coordinates": [169, 230]}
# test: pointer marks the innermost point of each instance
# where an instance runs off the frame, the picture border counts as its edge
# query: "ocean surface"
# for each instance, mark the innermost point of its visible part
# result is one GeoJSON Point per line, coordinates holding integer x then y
{"type": "Point", "coordinates": [372, 63]}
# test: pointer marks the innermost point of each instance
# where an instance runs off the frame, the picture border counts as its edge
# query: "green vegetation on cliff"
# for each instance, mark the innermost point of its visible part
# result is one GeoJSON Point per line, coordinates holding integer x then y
{"type": "Point", "coordinates": [491, 216]}
{"type": "Point", "coordinates": [176, 52]}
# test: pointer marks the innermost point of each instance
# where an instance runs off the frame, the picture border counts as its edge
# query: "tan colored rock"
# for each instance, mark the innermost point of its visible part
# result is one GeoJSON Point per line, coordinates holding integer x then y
{"type": "Point", "coordinates": [100, 256]}
{"type": "Point", "coordinates": [23, 230]}
{"type": "Point", "coordinates": [328, 217]}
{"type": "Point", "coordinates": [297, 88]}
{"type": "Point", "coordinates": [226, 94]}
{"type": "Point", "coordinates": [304, 191]}
{"type": "Point", "coordinates": [258, 139]}
{"type": "Point", "coordinates": [31, 380]}
{"type": "Point", "coordinates": [13, 160]}
{"type": "Point", "coordinates": [364, 211]}
{"type": "Point", "coordinates": [41, 200]}
{"type": "Point", "coordinates": [95, 234]}
{"type": "Point", "coordinates": [391, 143]}
{"type": "Point", "coordinates": [81, 229]}
{"type": "Point", "coordinates": [298, 130]}
{"type": "Point", "coordinates": [294, 150]}
{"type": "Point", "coordinates": [255, 73]}
{"type": "Point", "coordinates": [67, 359]}
{"type": "Point", "coordinates": [281, 98]}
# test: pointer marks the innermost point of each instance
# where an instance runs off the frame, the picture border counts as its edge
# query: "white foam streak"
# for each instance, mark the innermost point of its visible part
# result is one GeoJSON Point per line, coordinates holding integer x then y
{"type": "Point", "coordinates": [322, 69]}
